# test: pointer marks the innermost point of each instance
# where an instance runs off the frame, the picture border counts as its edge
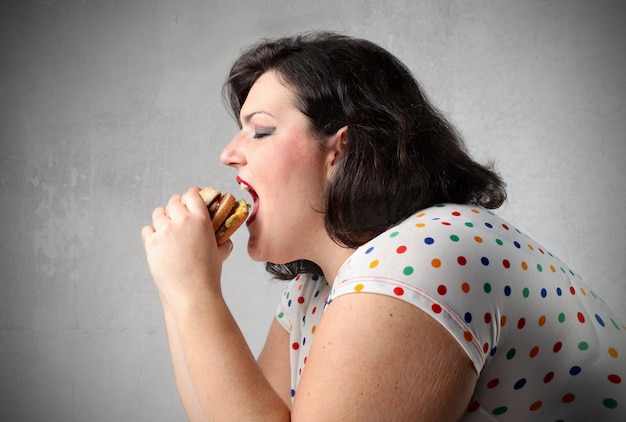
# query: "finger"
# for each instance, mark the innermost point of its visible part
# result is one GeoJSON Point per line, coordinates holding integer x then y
{"type": "Point", "coordinates": [194, 202]}
{"type": "Point", "coordinates": [159, 218]}
{"type": "Point", "coordinates": [225, 249]}
{"type": "Point", "coordinates": [175, 208]}
{"type": "Point", "coordinates": [146, 232]}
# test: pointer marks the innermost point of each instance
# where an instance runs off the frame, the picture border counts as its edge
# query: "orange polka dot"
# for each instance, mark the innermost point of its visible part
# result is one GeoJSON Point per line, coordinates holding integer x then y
{"type": "Point", "coordinates": [374, 263]}
{"type": "Point", "coordinates": [613, 352]}
{"type": "Point", "coordinates": [531, 247]}
{"type": "Point", "coordinates": [420, 225]}
{"type": "Point", "coordinates": [524, 266]}
{"type": "Point", "coordinates": [534, 351]}
{"type": "Point", "coordinates": [568, 398]}
{"type": "Point", "coordinates": [502, 320]}
{"type": "Point", "coordinates": [421, 214]}
{"type": "Point", "coordinates": [465, 287]}
{"type": "Point", "coordinates": [478, 239]}
{"type": "Point", "coordinates": [436, 263]}
{"type": "Point", "coordinates": [475, 211]}
{"type": "Point", "coordinates": [552, 268]}
{"type": "Point", "coordinates": [536, 405]}
{"type": "Point", "coordinates": [313, 329]}
{"type": "Point", "coordinates": [542, 320]}
{"type": "Point", "coordinates": [468, 336]}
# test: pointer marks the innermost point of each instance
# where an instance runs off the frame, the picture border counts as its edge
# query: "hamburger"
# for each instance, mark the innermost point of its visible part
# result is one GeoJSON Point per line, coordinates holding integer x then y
{"type": "Point", "coordinates": [227, 213]}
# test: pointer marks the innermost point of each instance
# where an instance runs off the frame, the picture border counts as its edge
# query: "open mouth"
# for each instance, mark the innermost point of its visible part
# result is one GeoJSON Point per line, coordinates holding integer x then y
{"type": "Point", "coordinates": [255, 199]}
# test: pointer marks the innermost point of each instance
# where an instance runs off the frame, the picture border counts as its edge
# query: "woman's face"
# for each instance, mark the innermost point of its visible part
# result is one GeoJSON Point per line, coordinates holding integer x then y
{"type": "Point", "coordinates": [284, 168]}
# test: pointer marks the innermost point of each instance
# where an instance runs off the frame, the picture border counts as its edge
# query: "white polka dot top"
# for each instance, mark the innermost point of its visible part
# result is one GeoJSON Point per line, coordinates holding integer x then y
{"type": "Point", "coordinates": [545, 346]}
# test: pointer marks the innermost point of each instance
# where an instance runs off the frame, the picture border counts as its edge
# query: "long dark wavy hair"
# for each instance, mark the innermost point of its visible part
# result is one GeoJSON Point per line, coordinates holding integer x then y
{"type": "Point", "coordinates": [401, 154]}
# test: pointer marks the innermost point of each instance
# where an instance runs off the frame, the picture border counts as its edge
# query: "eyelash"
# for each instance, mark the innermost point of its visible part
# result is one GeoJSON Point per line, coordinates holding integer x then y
{"type": "Point", "coordinates": [262, 132]}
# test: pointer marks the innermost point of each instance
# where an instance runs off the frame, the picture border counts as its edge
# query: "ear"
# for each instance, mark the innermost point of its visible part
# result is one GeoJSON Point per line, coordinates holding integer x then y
{"type": "Point", "coordinates": [336, 145]}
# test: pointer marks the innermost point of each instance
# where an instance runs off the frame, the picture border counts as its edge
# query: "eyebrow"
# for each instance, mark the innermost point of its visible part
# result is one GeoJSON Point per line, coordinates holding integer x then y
{"type": "Point", "coordinates": [247, 117]}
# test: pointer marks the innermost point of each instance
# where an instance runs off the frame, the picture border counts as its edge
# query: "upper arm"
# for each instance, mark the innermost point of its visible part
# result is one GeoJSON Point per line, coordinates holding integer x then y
{"type": "Point", "coordinates": [379, 358]}
{"type": "Point", "coordinates": [274, 361]}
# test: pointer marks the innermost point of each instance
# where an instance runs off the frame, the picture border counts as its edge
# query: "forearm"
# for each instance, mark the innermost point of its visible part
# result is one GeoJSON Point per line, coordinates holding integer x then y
{"type": "Point", "coordinates": [226, 378]}
{"type": "Point", "coordinates": [184, 384]}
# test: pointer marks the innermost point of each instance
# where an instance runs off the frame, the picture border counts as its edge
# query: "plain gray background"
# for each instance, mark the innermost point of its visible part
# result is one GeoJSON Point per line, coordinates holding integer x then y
{"type": "Point", "coordinates": [109, 107]}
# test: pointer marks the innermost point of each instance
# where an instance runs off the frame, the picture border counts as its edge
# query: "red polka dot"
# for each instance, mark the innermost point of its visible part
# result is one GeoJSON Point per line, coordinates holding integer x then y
{"type": "Point", "coordinates": [461, 260]}
{"type": "Point", "coordinates": [572, 290]}
{"type": "Point", "coordinates": [536, 405]}
{"type": "Point", "coordinates": [401, 249]}
{"type": "Point", "coordinates": [521, 323]}
{"type": "Point", "coordinates": [487, 318]}
{"type": "Point", "coordinates": [557, 347]}
{"type": "Point", "coordinates": [493, 383]}
{"type": "Point", "coordinates": [568, 398]}
{"type": "Point", "coordinates": [456, 214]}
{"type": "Point", "coordinates": [486, 347]}
{"type": "Point", "coordinates": [295, 346]}
{"type": "Point", "coordinates": [445, 223]}
{"type": "Point", "coordinates": [615, 379]}
{"type": "Point", "coordinates": [301, 299]}
{"type": "Point", "coordinates": [534, 351]}
{"type": "Point", "coordinates": [474, 406]}
{"type": "Point", "coordinates": [442, 290]}
{"type": "Point", "coordinates": [581, 317]}
{"type": "Point", "coordinates": [436, 308]}
{"type": "Point", "coordinates": [506, 263]}
{"type": "Point", "coordinates": [505, 227]}
{"type": "Point", "coordinates": [314, 310]}
{"type": "Point", "coordinates": [398, 291]}
{"type": "Point", "coordinates": [549, 376]}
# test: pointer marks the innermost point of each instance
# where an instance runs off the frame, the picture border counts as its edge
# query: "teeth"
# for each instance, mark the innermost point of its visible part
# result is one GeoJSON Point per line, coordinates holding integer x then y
{"type": "Point", "coordinates": [243, 186]}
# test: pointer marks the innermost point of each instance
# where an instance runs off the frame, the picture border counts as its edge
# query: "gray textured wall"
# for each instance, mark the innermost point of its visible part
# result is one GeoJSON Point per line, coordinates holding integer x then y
{"type": "Point", "coordinates": [107, 108]}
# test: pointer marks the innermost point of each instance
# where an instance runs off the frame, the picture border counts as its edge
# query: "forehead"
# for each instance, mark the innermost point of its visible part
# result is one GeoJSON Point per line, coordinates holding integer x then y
{"type": "Point", "coordinates": [269, 93]}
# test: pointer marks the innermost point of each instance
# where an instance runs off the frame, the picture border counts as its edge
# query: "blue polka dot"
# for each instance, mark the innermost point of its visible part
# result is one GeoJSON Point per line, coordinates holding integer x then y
{"type": "Point", "coordinates": [519, 384]}
{"type": "Point", "coordinates": [289, 303]}
{"type": "Point", "coordinates": [600, 321]}
{"type": "Point", "coordinates": [293, 393]}
{"type": "Point", "coordinates": [493, 351]}
{"type": "Point", "coordinates": [429, 240]}
{"type": "Point", "coordinates": [370, 249]}
{"type": "Point", "coordinates": [468, 317]}
{"type": "Point", "coordinates": [544, 292]}
{"type": "Point", "coordinates": [489, 225]}
{"type": "Point", "coordinates": [575, 370]}
{"type": "Point", "coordinates": [517, 245]}
{"type": "Point", "coordinates": [559, 292]}
{"type": "Point", "coordinates": [507, 290]}
{"type": "Point", "coordinates": [484, 261]}
{"type": "Point", "coordinates": [315, 277]}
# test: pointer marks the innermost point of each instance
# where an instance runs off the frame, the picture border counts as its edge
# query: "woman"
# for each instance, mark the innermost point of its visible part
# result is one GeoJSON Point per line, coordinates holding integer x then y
{"type": "Point", "coordinates": [408, 298]}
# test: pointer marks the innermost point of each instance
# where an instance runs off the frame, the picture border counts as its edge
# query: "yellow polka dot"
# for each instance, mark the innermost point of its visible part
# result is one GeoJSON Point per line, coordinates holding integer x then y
{"type": "Point", "coordinates": [613, 352]}
{"type": "Point", "coordinates": [421, 214]}
{"type": "Point", "coordinates": [374, 263]}
{"type": "Point", "coordinates": [436, 263]}
{"type": "Point", "coordinates": [420, 225]}
{"type": "Point", "coordinates": [358, 287]}
{"type": "Point", "coordinates": [531, 247]}
{"type": "Point", "coordinates": [583, 291]}
{"type": "Point", "coordinates": [552, 268]}
{"type": "Point", "coordinates": [475, 211]}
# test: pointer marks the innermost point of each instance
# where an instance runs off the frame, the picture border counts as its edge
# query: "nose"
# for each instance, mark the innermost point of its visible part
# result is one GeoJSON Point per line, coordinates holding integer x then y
{"type": "Point", "coordinates": [232, 155]}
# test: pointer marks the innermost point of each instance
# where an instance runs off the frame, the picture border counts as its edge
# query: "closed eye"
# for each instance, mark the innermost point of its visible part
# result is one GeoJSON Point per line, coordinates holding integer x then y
{"type": "Point", "coordinates": [261, 132]}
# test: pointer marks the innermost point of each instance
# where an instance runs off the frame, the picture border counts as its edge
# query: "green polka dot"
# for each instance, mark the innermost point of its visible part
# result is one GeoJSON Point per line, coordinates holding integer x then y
{"type": "Point", "coordinates": [487, 288]}
{"type": "Point", "coordinates": [394, 234]}
{"type": "Point", "coordinates": [280, 315]}
{"type": "Point", "coordinates": [499, 242]}
{"type": "Point", "coordinates": [593, 294]}
{"type": "Point", "coordinates": [609, 403]}
{"type": "Point", "coordinates": [500, 410]}
{"type": "Point", "coordinates": [583, 345]}
{"type": "Point", "coordinates": [440, 205]}
{"type": "Point", "coordinates": [539, 268]}
{"type": "Point", "coordinates": [511, 354]}
{"type": "Point", "coordinates": [454, 238]}
{"type": "Point", "coordinates": [468, 224]}
{"type": "Point", "coordinates": [561, 317]}
{"type": "Point", "coordinates": [526, 292]}
{"type": "Point", "coordinates": [408, 270]}
{"type": "Point", "coordinates": [615, 324]}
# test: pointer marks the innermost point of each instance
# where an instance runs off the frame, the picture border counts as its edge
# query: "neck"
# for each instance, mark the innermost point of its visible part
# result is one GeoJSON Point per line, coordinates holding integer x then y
{"type": "Point", "coordinates": [330, 259]}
